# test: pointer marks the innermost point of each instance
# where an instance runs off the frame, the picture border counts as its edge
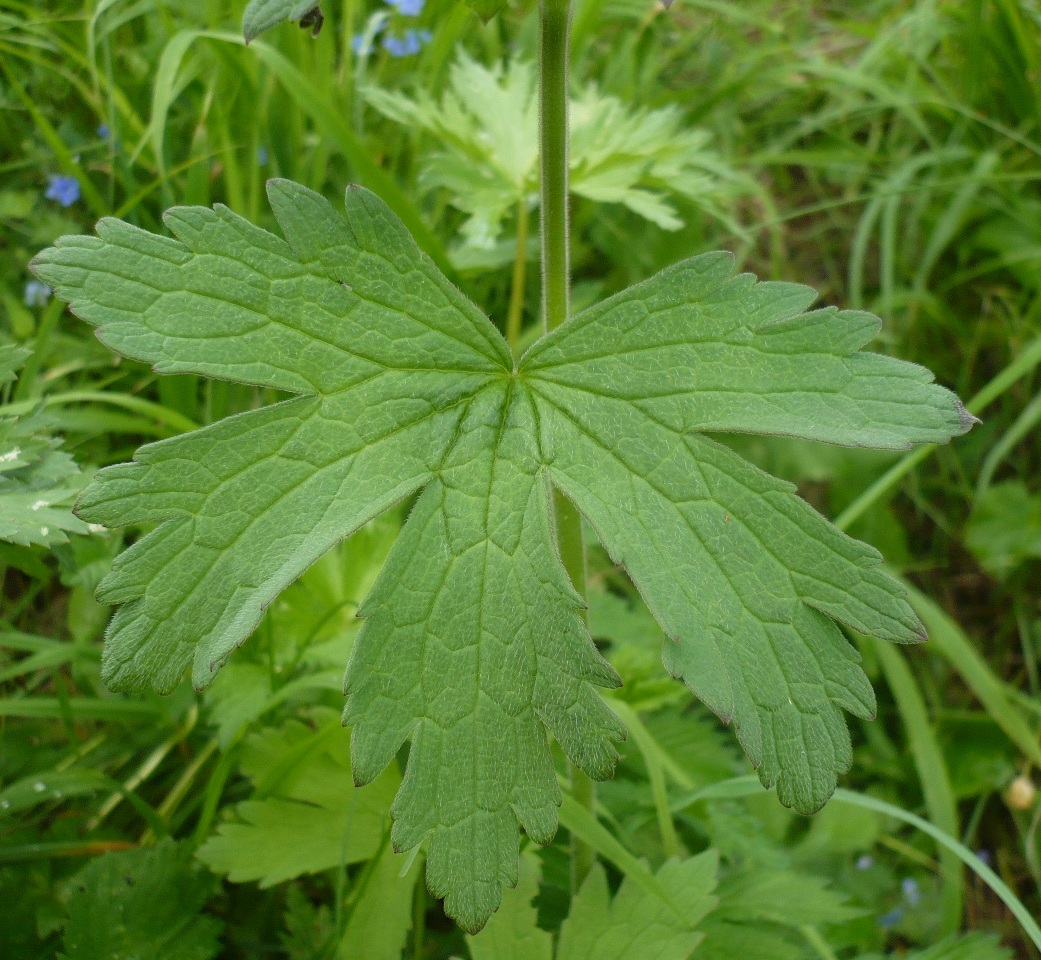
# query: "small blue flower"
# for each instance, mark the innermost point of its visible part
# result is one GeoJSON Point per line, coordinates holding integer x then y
{"type": "Point", "coordinates": [103, 131]}
{"type": "Point", "coordinates": [986, 856]}
{"type": "Point", "coordinates": [262, 156]}
{"type": "Point", "coordinates": [891, 919]}
{"type": "Point", "coordinates": [66, 190]}
{"type": "Point", "coordinates": [408, 8]}
{"type": "Point", "coordinates": [912, 894]}
{"type": "Point", "coordinates": [866, 862]}
{"type": "Point", "coordinates": [408, 44]}
{"type": "Point", "coordinates": [36, 294]}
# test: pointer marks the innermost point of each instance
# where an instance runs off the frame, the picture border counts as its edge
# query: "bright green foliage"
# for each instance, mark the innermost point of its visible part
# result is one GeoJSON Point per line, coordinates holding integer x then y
{"type": "Point", "coordinates": [141, 903]}
{"type": "Point", "coordinates": [38, 481]}
{"type": "Point", "coordinates": [305, 815]}
{"type": "Point", "coordinates": [632, 925]}
{"type": "Point", "coordinates": [472, 645]}
{"type": "Point", "coordinates": [486, 124]}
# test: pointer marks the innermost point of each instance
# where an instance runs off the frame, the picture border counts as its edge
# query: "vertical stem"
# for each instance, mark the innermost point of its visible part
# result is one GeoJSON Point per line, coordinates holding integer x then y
{"type": "Point", "coordinates": [520, 263]}
{"type": "Point", "coordinates": [554, 28]}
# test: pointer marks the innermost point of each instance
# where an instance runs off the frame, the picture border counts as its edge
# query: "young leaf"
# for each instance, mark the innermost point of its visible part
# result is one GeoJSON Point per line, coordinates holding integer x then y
{"type": "Point", "coordinates": [141, 903]}
{"type": "Point", "coordinates": [487, 128]}
{"type": "Point", "coordinates": [472, 646]}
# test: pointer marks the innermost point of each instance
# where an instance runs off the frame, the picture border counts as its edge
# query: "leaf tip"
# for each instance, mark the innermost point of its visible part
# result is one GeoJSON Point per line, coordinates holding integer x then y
{"type": "Point", "coordinates": [966, 420]}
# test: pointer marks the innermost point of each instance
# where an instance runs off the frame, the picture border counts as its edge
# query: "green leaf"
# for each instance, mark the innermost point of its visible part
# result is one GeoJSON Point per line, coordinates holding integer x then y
{"type": "Point", "coordinates": [11, 360]}
{"type": "Point", "coordinates": [310, 818]}
{"type": "Point", "coordinates": [141, 903]}
{"type": "Point", "coordinates": [784, 897]}
{"type": "Point", "coordinates": [383, 364]}
{"type": "Point", "coordinates": [38, 481]}
{"type": "Point", "coordinates": [635, 923]}
{"type": "Point", "coordinates": [262, 15]}
{"type": "Point", "coordinates": [472, 645]}
{"type": "Point", "coordinates": [762, 910]}
{"type": "Point", "coordinates": [486, 125]}
{"type": "Point", "coordinates": [631, 925]}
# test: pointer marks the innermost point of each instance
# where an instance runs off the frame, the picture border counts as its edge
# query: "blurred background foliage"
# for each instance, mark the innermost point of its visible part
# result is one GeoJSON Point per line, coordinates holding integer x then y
{"type": "Point", "coordinates": [886, 151]}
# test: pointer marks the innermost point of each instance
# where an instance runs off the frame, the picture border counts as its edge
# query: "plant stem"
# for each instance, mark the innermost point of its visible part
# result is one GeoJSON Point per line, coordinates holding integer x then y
{"type": "Point", "coordinates": [520, 264]}
{"type": "Point", "coordinates": [554, 27]}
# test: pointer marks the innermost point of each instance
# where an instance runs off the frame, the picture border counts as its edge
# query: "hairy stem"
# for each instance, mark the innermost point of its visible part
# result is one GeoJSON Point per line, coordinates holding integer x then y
{"type": "Point", "coordinates": [554, 24]}
{"type": "Point", "coordinates": [554, 27]}
{"type": "Point", "coordinates": [520, 263]}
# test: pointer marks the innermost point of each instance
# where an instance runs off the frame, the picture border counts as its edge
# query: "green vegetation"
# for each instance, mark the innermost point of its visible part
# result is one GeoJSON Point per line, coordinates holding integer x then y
{"type": "Point", "coordinates": [892, 161]}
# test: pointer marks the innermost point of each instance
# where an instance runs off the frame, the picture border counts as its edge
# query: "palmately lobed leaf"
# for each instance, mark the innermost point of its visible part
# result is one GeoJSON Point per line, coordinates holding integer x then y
{"type": "Point", "coordinates": [472, 646]}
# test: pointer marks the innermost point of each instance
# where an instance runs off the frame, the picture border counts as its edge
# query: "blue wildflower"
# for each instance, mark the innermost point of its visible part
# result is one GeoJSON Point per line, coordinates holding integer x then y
{"type": "Point", "coordinates": [912, 894]}
{"type": "Point", "coordinates": [66, 190]}
{"type": "Point", "coordinates": [36, 294]}
{"type": "Point", "coordinates": [408, 8]}
{"type": "Point", "coordinates": [408, 44]}
{"type": "Point", "coordinates": [986, 856]}
{"type": "Point", "coordinates": [891, 919]}
{"type": "Point", "coordinates": [866, 862]}
{"type": "Point", "coordinates": [103, 131]}
{"type": "Point", "coordinates": [262, 156]}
